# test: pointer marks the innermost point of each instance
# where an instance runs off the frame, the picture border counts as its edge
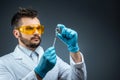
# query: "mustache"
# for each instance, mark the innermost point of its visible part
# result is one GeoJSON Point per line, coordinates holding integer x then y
{"type": "Point", "coordinates": [36, 36]}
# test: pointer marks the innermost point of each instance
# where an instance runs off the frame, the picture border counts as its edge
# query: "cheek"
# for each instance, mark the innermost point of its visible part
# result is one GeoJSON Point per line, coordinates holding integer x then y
{"type": "Point", "coordinates": [28, 37]}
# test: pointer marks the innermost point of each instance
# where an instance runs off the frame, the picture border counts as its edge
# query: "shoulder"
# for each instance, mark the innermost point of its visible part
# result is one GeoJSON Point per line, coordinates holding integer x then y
{"type": "Point", "coordinates": [6, 58]}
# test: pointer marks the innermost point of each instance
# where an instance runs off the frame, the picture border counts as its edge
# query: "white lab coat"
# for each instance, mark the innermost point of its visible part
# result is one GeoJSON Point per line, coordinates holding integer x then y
{"type": "Point", "coordinates": [18, 66]}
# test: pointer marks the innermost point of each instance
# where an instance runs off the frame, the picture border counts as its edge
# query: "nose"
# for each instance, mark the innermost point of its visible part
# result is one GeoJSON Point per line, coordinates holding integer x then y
{"type": "Point", "coordinates": [37, 32]}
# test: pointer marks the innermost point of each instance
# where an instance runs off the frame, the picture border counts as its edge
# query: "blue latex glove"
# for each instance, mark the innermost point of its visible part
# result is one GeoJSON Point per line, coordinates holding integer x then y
{"type": "Point", "coordinates": [69, 37]}
{"type": "Point", "coordinates": [47, 62]}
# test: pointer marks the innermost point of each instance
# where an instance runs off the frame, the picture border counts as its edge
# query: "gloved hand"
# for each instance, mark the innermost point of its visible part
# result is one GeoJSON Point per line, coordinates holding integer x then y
{"type": "Point", "coordinates": [69, 37]}
{"type": "Point", "coordinates": [47, 62]}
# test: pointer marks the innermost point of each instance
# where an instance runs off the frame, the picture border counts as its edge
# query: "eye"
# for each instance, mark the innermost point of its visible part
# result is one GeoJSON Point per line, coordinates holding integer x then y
{"type": "Point", "coordinates": [29, 28]}
{"type": "Point", "coordinates": [38, 28]}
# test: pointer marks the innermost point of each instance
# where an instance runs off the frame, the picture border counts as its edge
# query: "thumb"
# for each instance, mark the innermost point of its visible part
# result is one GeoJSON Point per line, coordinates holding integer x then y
{"type": "Point", "coordinates": [59, 36]}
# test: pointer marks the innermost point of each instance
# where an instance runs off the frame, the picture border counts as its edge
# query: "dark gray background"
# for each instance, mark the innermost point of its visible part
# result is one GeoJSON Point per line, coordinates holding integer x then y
{"type": "Point", "coordinates": [96, 22]}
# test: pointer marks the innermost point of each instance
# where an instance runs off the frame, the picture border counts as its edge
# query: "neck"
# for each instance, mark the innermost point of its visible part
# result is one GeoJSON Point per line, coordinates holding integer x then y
{"type": "Point", "coordinates": [27, 47]}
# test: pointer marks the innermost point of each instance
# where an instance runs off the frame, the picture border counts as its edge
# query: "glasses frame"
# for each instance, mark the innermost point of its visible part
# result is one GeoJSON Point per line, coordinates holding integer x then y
{"type": "Point", "coordinates": [22, 29]}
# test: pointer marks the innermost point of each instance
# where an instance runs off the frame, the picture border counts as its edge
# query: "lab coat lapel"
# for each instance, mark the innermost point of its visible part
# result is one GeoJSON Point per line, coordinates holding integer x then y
{"type": "Point", "coordinates": [23, 59]}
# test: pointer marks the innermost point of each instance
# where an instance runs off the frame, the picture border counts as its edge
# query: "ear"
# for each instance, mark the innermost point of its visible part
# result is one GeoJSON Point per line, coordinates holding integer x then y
{"type": "Point", "coordinates": [16, 33]}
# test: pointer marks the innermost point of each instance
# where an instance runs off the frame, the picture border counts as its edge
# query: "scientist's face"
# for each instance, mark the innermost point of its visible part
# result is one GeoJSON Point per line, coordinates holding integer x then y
{"type": "Point", "coordinates": [29, 32]}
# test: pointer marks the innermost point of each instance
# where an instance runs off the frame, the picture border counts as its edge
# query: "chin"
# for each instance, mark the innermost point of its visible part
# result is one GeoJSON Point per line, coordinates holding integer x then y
{"type": "Point", "coordinates": [36, 42]}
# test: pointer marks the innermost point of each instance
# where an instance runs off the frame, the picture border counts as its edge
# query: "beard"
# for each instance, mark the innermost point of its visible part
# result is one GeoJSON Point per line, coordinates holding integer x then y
{"type": "Point", "coordinates": [29, 43]}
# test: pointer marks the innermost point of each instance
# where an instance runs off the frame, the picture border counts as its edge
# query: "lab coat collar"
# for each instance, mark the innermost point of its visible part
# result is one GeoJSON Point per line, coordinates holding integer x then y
{"type": "Point", "coordinates": [24, 59]}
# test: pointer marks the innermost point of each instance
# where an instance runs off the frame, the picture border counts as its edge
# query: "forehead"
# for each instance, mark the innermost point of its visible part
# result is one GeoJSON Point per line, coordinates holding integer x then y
{"type": "Point", "coordinates": [29, 21]}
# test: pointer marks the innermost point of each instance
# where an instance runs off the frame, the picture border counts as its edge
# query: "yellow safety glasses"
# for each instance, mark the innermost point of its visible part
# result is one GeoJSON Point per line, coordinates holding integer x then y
{"type": "Point", "coordinates": [30, 29]}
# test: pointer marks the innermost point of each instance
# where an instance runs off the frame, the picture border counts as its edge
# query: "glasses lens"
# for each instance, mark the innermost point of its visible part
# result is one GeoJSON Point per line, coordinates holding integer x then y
{"type": "Point", "coordinates": [31, 29]}
{"type": "Point", "coordinates": [42, 29]}
{"type": "Point", "coordinates": [28, 29]}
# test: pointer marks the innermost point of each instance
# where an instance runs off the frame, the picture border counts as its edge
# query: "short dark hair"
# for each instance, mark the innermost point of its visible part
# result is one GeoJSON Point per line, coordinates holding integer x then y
{"type": "Point", "coordinates": [23, 12]}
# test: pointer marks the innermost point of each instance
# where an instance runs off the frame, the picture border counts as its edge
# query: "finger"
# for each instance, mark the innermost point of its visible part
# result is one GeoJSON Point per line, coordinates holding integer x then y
{"type": "Point", "coordinates": [60, 26]}
{"type": "Point", "coordinates": [59, 36]}
{"type": "Point", "coordinates": [53, 60]}
{"type": "Point", "coordinates": [50, 49]}
{"type": "Point", "coordinates": [51, 55]}
{"type": "Point", "coordinates": [68, 33]}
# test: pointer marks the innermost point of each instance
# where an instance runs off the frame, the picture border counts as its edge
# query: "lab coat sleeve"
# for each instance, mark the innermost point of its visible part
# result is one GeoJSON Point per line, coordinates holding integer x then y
{"type": "Point", "coordinates": [4, 73]}
{"type": "Point", "coordinates": [30, 76]}
{"type": "Point", "coordinates": [78, 69]}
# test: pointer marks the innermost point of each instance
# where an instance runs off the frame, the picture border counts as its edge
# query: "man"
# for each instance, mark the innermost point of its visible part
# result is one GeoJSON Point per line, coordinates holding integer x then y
{"type": "Point", "coordinates": [29, 62]}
